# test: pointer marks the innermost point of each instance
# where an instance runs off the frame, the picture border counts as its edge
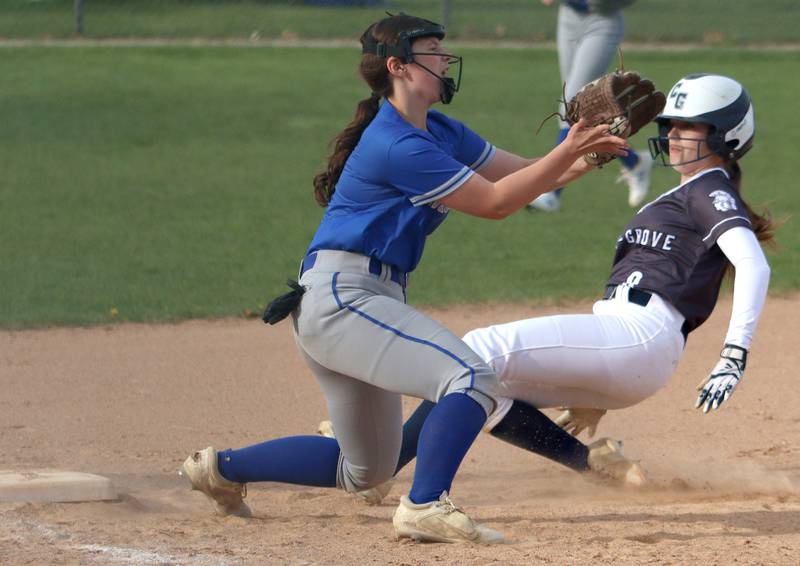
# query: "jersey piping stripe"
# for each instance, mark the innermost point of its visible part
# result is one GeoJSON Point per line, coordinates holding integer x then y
{"type": "Point", "coordinates": [714, 227]}
{"type": "Point", "coordinates": [445, 188]}
{"type": "Point", "coordinates": [484, 158]}
{"type": "Point", "coordinates": [385, 326]}
{"type": "Point", "coordinates": [669, 192]}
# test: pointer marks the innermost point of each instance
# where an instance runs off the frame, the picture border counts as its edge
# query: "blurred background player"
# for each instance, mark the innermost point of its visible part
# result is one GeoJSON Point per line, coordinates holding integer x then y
{"type": "Point", "coordinates": [588, 37]}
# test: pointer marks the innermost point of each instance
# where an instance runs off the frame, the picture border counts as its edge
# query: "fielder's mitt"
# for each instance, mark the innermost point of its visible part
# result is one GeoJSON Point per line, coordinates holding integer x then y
{"type": "Point", "coordinates": [623, 100]}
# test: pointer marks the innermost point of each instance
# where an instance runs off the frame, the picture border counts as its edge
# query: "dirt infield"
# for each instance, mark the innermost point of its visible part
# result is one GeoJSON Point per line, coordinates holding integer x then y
{"type": "Point", "coordinates": [131, 401]}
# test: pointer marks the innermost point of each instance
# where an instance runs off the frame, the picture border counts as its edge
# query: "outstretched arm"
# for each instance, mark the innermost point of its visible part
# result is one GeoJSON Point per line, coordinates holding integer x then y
{"type": "Point", "coordinates": [480, 197]}
{"type": "Point", "coordinates": [741, 247]}
{"type": "Point", "coordinates": [504, 163]}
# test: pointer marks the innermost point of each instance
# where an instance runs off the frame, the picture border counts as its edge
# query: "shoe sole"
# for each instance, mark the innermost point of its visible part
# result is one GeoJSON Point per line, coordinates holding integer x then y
{"type": "Point", "coordinates": [422, 537]}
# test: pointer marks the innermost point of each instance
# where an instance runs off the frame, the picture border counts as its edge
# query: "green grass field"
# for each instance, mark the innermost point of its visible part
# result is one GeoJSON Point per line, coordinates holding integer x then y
{"type": "Point", "coordinates": [709, 21]}
{"type": "Point", "coordinates": [168, 183]}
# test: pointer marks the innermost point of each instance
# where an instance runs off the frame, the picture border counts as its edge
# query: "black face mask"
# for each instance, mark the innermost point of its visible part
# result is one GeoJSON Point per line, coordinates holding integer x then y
{"type": "Point", "coordinates": [448, 85]}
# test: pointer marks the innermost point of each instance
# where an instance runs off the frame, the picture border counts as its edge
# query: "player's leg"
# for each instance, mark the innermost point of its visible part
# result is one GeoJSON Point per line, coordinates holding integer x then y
{"type": "Point", "coordinates": [369, 421]}
{"type": "Point", "coordinates": [611, 359]}
{"type": "Point", "coordinates": [382, 341]}
{"type": "Point", "coordinates": [400, 349]}
{"type": "Point", "coordinates": [523, 425]}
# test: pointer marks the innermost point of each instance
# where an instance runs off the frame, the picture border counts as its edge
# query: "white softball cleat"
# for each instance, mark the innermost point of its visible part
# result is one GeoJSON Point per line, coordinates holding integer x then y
{"type": "Point", "coordinates": [440, 521]}
{"type": "Point", "coordinates": [638, 179]}
{"type": "Point", "coordinates": [202, 471]}
{"type": "Point", "coordinates": [606, 459]}
{"type": "Point", "coordinates": [372, 496]}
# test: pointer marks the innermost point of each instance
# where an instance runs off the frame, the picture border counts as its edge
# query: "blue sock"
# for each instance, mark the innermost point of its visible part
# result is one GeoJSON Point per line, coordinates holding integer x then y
{"type": "Point", "coordinates": [447, 434]}
{"type": "Point", "coordinates": [631, 160]}
{"type": "Point", "coordinates": [303, 460]}
{"type": "Point", "coordinates": [562, 135]}
{"type": "Point", "coordinates": [411, 432]}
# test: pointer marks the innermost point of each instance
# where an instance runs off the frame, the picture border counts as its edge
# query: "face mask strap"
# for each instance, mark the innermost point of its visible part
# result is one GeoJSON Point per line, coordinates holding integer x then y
{"type": "Point", "coordinates": [448, 85]}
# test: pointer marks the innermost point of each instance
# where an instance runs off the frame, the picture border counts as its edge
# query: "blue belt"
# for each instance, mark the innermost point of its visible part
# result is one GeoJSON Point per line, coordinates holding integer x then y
{"type": "Point", "coordinates": [579, 6]}
{"type": "Point", "coordinates": [375, 267]}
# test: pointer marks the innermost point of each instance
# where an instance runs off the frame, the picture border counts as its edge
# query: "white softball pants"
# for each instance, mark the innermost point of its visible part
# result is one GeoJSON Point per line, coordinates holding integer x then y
{"type": "Point", "coordinates": [614, 358]}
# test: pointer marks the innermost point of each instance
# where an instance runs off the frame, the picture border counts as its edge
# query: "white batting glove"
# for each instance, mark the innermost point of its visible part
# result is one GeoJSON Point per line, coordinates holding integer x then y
{"type": "Point", "coordinates": [574, 420]}
{"type": "Point", "coordinates": [724, 378]}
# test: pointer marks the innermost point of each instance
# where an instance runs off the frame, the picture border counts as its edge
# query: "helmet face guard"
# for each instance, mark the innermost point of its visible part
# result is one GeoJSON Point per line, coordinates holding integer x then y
{"type": "Point", "coordinates": [448, 85]}
{"type": "Point", "coordinates": [659, 146]}
{"type": "Point", "coordinates": [721, 103]}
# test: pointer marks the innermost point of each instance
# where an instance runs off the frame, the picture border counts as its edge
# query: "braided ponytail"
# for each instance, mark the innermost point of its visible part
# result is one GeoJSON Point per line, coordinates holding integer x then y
{"type": "Point", "coordinates": [343, 145]}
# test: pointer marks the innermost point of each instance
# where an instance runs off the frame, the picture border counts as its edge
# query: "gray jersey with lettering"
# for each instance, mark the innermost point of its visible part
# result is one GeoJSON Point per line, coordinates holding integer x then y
{"type": "Point", "coordinates": [670, 245]}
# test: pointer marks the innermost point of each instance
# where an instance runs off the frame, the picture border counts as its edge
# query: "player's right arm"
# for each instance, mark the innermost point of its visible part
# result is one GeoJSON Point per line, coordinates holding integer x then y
{"type": "Point", "coordinates": [742, 249]}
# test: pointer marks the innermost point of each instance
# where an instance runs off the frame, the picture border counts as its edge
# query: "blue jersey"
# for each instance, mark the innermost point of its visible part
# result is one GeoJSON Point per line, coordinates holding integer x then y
{"type": "Point", "coordinates": [387, 197]}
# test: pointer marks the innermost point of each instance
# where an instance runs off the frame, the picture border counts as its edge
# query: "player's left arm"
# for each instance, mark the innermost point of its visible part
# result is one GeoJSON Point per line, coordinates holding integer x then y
{"type": "Point", "coordinates": [504, 163]}
{"type": "Point", "coordinates": [494, 163]}
{"type": "Point", "coordinates": [741, 247]}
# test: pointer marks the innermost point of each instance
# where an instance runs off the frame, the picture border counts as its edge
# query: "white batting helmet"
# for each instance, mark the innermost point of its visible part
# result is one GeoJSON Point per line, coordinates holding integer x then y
{"type": "Point", "coordinates": [718, 101]}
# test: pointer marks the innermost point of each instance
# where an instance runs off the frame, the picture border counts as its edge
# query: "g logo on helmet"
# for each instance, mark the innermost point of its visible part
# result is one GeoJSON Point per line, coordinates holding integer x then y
{"type": "Point", "coordinates": [723, 201]}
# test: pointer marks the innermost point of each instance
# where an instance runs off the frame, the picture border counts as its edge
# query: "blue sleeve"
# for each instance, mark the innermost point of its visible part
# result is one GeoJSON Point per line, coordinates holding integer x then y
{"type": "Point", "coordinates": [423, 171]}
{"type": "Point", "coordinates": [470, 148]}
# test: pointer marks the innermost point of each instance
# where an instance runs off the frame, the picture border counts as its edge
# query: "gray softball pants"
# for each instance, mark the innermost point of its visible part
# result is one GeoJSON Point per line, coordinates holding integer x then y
{"type": "Point", "coordinates": [367, 348]}
{"type": "Point", "coordinates": [587, 42]}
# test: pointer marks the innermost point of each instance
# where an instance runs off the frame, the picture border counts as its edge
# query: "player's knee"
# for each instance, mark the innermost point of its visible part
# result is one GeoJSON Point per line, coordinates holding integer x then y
{"type": "Point", "coordinates": [354, 478]}
{"type": "Point", "coordinates": [479, 382]}
{"type": "Point", "coordinates": [378, 468]}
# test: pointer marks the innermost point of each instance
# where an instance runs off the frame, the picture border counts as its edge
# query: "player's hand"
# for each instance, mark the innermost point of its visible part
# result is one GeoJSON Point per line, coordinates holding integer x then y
{"type": "Point", "coordinates": [724, 378]}
{"type": "Point", "coordinates": [583, 139]}
{"type": "Point", "coordinates": [574, 420]}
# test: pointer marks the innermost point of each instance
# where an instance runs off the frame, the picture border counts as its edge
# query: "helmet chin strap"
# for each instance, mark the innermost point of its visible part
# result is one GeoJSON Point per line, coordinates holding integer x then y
{"type": "Point", "coordinates": [447, 85]}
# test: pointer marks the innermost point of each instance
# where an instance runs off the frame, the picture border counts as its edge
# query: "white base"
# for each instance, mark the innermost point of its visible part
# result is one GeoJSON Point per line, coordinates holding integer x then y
{"type": "Point", "coordinates": [54, 486]}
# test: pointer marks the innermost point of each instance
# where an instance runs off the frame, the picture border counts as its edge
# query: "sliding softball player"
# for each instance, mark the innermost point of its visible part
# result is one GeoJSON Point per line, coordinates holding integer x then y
{"type": "Point", "coordinates": [668, 267]}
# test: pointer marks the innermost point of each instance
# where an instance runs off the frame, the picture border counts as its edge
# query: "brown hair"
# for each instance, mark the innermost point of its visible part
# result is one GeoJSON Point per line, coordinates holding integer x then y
{"type": "Point", "coordinates": [374, 72]}
{"type": "Point", "coordinates": [762, 223]}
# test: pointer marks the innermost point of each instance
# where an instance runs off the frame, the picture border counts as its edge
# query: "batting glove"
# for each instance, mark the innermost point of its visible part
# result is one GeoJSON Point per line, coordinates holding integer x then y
{"type": "Point", "coordinates": [574, 420]}
{"type": "Point", "coordinates": [724, 378]}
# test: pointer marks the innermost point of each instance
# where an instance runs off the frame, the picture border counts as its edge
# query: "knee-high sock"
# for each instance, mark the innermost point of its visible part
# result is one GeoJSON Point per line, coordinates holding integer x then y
{"type": "Point", "coordinates": [524, 426]}
{"type": "Point", "coordinates": [527, 427]}
{"type": "Point", "coordinates": [447, 434]}
{"type": "Point", "coordinates": [303, 460]}
{"type": "Point", "coordinates": [631, 160]}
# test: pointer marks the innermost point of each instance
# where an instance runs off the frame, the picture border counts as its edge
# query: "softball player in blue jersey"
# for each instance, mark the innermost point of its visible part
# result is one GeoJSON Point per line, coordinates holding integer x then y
{"type": "Point", "coordinates": [394, 173]}
{"type": "Point", "coordinates": [666, 276]}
